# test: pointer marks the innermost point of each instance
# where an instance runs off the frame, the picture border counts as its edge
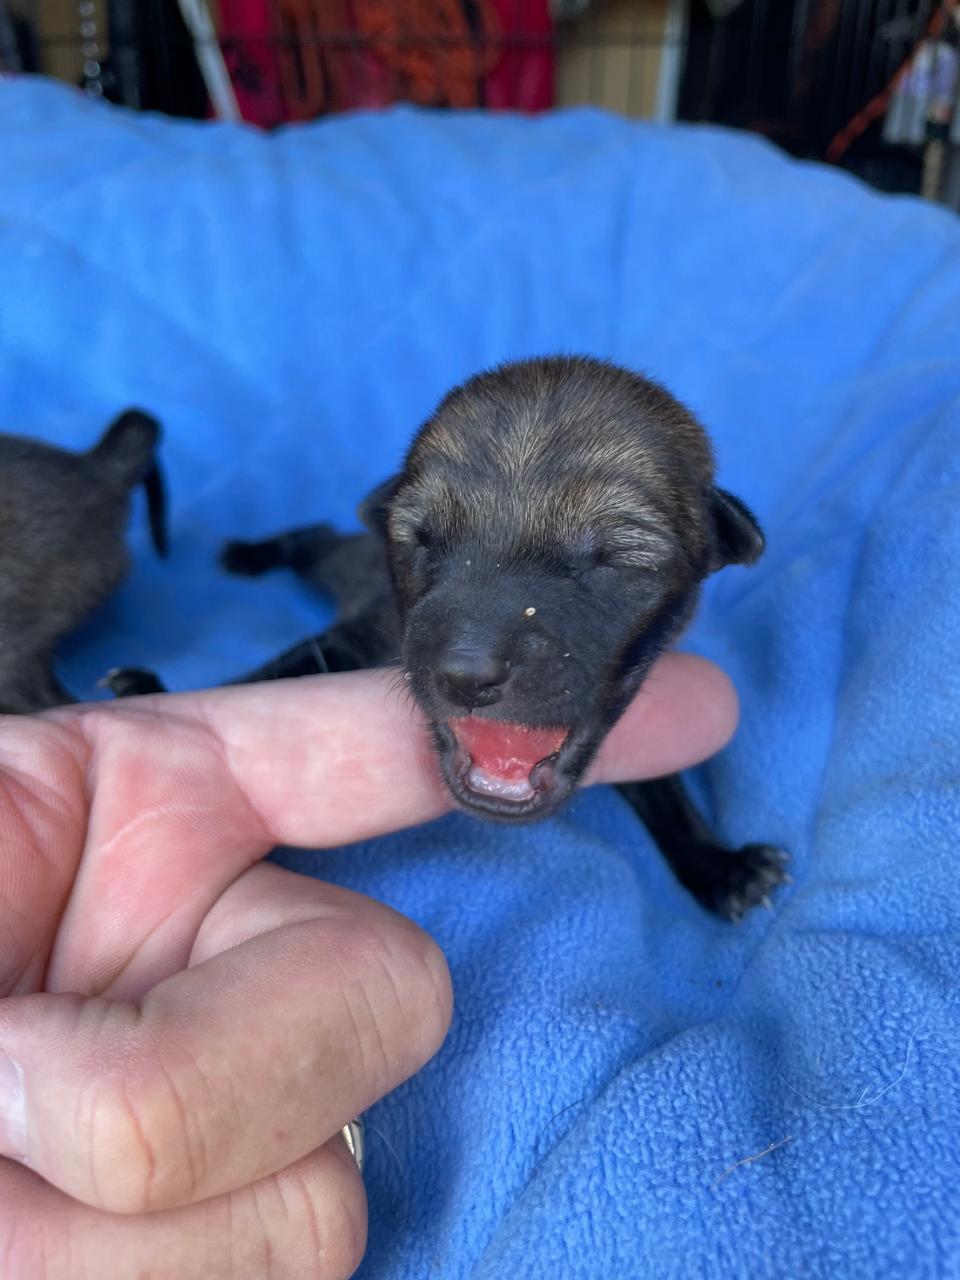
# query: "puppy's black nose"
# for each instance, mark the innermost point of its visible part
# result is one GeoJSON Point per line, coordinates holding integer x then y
{"type": "Point", "coordinates": [472, 677]}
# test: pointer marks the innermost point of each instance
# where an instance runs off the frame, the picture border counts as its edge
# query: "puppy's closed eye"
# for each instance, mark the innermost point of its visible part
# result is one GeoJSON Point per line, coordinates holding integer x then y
{"type": "Point", "coordinates": [586, 551]}
{"type": "Point", "coordinates": [615, 555]}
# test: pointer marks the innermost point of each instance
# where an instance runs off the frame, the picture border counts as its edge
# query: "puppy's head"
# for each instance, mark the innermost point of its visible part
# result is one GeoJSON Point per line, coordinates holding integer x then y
{"type": "Point", "coordinates": [547, 537]}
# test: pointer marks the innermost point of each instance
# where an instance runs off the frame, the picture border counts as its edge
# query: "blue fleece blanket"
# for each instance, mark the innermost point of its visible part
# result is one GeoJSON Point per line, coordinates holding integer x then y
{"type": "Point", "coordinates": [630, 1089]}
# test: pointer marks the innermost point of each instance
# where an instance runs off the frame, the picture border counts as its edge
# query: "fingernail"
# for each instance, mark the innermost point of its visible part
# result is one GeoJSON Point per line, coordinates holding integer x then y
{"type": "Point", "coordinates": [13, 1110]}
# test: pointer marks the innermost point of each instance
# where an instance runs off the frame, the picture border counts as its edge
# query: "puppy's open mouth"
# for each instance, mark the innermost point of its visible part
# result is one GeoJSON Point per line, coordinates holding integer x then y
{"type": "Point", "coordinates": [502, 770]}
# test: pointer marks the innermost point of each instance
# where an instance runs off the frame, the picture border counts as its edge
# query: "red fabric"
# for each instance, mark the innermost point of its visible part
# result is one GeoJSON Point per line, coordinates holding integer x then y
{"type": "Point", "coordinates": [448, 68]}
{"type": "Point", "coordinates": [248, 36]}
{"type": "Point", "coordinates": [523, 79]}
{"type": "Point", "coordinates": [299, 83]}
{"type": "Point", "coordinates": [324, 66]}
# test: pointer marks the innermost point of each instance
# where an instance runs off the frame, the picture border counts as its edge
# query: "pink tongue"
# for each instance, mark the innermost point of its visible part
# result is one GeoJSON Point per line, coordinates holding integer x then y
{"type": "Point", "coordinates": [507, 751]}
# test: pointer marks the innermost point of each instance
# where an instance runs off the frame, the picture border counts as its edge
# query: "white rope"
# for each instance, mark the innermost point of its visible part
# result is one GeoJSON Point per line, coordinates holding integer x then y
{"type": "Point", "coordinates": [206, 46]}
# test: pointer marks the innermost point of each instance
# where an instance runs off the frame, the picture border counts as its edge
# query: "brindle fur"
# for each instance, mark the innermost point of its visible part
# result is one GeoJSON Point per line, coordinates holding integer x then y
{"type": "Point", "coordinates": [63, 519]}
{"type": "Point", "coordinates": [546, 539]}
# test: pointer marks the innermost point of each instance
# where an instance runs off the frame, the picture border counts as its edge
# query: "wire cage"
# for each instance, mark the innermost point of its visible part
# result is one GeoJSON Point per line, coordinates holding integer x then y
{"type": "Point", "coordinates": [869, 84]}
{"type": "Point", "coordinates": [872, 85]}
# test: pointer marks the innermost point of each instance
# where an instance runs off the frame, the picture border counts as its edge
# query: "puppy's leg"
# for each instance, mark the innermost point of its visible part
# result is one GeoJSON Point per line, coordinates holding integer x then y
{"type": "Point", "coordinates": [297, 549]}
{"type": "Point", "coordinates": [342, 648]}
{"type": "Point", "coordinates": [727, 882]}
{"type": "Point", "coordinates": [346, 646]}
{"type": "Point", "coordinates": [306, 658]}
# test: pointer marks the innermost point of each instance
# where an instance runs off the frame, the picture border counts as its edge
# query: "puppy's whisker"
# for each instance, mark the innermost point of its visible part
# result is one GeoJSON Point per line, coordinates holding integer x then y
{"type": "Point", "coordinates": [398, 688]}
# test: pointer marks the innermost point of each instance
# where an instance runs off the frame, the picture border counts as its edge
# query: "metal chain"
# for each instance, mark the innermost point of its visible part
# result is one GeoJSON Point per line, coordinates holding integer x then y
{"type": "Point", "coordinates": [90, 48]}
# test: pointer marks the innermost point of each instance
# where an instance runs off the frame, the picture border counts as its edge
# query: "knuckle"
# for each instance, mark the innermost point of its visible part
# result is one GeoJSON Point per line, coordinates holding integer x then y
{"type": "Point", "coordinates": [345, 1253]}
{"type": "Point", "coordinates": [323, 1195]}
{"type": "Point", "coordinates": [441, 988]}
{"type": "Point", "coordinates": [34, 1244]}
{"type": "Point", "coordinates": [424, 990]}
{"type": "Point", "coordinates": [407, 1022]}
{"type": "Point", "coordinates": [122, 1158]}
{"type": "Point", "coordinates": [143, 1148]}
{"type": "Point", "coordinates": [23, 1252]}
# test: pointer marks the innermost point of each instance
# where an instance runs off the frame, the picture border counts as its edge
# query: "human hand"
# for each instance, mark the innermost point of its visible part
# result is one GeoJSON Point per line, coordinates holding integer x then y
{"type": "Point", "coordinates": [192, 1026]}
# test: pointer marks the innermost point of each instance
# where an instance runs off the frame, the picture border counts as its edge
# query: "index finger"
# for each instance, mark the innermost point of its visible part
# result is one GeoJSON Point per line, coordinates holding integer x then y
{"type": "Point", "coordinates": [330, 760]}
{"type": "Point", "coordinates": [191, 790]}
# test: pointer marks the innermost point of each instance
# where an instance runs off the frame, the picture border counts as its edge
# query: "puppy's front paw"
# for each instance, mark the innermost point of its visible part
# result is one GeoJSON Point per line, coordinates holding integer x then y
{"type": "Point", "coordinates": [731, 882]}
{"type": "Point", "coordinates": [249, 559]}
{"type": "Point", "coordinates": [130, 682]}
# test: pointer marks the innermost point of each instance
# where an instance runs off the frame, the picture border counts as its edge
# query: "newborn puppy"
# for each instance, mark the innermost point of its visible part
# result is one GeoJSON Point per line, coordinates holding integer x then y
{"type": "Point", "coordinates": [545, 541]}
{"type": "Point", "coordinates": [63, 518]}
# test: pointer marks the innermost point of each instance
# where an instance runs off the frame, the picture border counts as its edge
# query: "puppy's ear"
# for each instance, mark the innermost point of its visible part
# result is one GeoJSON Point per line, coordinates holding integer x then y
{"type": "Point", "coordinates": [375, 507]}
{"type": "Point", "coordinates": [737, 538]}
